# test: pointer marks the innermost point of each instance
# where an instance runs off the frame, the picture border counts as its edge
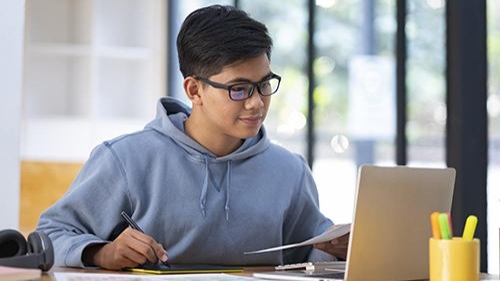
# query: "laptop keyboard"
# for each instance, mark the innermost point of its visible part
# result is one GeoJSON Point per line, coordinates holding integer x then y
{"type": "Point", "coordinates": [333, 275]}
{"type": "Point", "coordinates": [323, 270]}
{"type": "Point", "coordinates": [313, 266]}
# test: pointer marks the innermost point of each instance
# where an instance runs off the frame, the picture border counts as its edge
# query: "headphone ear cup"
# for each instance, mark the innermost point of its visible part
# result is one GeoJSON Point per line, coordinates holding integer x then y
{"type": "Point", "coordinates": [12, 243]}
{"type": "Point", "coordinates": [40, 244]}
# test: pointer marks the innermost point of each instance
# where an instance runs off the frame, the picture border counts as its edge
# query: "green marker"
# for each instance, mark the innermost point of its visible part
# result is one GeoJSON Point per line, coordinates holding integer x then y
{"type": "Point", "coordinates": [444, 226]}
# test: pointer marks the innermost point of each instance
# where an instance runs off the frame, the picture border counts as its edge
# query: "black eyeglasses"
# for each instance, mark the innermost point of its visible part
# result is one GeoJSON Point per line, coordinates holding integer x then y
{"type": "Point", "coordinates": [242, 91]}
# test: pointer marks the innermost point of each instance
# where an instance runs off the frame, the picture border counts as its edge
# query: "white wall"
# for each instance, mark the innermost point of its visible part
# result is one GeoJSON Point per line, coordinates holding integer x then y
{"type": "Point", "coordinates": [11, 51]}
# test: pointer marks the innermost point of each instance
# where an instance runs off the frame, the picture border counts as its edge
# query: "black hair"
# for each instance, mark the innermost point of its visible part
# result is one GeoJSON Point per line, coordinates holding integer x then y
{"type": "Point", "coordinates": [216, 36]}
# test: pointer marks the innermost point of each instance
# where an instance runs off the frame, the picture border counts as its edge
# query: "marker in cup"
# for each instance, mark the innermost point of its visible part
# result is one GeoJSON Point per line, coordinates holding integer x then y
{"type": "Point", "coordinates": [469, 228]}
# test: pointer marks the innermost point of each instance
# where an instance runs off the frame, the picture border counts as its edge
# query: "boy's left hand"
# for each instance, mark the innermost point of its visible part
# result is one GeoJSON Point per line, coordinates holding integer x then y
{"type": "Point", "coordinates": [336, 247]}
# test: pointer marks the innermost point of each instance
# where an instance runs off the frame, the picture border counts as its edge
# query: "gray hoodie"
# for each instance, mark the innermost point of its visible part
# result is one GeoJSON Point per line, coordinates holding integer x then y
{"type": "Point", "coordinates": [202, 208]}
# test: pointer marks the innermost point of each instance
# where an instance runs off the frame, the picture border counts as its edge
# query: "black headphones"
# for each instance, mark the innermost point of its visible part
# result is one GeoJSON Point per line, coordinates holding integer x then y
{"type": "Point", "coordinates": [35, 252]}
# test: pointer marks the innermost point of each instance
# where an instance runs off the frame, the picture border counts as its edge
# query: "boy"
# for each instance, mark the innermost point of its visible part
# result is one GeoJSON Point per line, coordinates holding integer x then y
{"type": "Point", "coordinates": [203, 182]}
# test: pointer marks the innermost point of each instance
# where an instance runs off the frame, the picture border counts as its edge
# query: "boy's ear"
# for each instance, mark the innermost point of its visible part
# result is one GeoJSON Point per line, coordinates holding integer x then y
{"type": "Point", "coordinates": [192, 88]}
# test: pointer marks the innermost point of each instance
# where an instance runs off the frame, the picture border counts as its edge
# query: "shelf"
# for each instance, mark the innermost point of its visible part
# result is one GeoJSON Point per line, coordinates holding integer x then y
{"type": "Point", "coordinates": [55, 49]}
{"type": "Point", "coordinates": [64, 139]}
{"type": "Point", "coordinates": [93, 69]}
{"type": "Point", "coordinates": [59, 21]}
{"type": "Point", "coordinates": [56, 85]}
{"type": "Point", "coordinates": [125, 53]}
{"type": "Point", "coordinates": [118, 52]}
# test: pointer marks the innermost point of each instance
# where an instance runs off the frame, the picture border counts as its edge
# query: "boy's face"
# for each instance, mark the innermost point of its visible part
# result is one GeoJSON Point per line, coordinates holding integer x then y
{"type": "Point", "coordinates": [236, 119]}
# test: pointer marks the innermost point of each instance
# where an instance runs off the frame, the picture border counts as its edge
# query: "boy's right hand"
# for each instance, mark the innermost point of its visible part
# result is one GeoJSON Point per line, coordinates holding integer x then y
{"type": "Point", "coordinates": [130, 249]}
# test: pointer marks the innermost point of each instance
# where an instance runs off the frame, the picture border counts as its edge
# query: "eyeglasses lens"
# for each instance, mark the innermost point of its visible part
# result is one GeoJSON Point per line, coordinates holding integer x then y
{"type": "Point", "coordinates": [245, 90]}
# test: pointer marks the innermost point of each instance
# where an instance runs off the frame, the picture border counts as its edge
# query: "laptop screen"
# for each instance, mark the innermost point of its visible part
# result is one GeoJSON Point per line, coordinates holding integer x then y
{"type": "Point", "coordinates": [391, 227]}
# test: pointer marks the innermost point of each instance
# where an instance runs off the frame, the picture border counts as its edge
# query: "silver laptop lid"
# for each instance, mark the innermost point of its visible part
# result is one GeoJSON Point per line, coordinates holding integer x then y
{"type": "Point", "coordinates": [391, 226]}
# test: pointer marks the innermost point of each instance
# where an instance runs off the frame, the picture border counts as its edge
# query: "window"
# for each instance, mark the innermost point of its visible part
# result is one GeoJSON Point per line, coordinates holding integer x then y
{"type": "Point", "coordinates": [426, 83]}
{"type": "Point", "coordinates": [354, 94]}
{"type": "Point", "coordinates": [493, 106]}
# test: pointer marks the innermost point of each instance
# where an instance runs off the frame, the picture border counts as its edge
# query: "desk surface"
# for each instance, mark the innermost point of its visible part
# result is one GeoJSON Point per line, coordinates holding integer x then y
{"type": "Point", "coordinates": [248, 271]}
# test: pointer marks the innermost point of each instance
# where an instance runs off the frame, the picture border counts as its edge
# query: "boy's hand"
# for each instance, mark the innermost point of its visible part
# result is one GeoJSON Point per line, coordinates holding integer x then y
{"type": "Point", "coordinates": [131, 248]}
{"type": "Point", "coordinates": [336, 247]}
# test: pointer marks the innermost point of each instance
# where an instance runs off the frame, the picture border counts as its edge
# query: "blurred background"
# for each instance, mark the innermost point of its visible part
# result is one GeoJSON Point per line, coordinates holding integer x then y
{"type": "Point", "coordinates": [93, 69]}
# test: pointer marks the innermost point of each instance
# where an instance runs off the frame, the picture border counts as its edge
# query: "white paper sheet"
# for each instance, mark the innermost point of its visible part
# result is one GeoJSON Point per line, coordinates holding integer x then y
{"type": "Point", "coordinates": [332, 233]}
{"type": "Point", "coordinates": [70, 276]}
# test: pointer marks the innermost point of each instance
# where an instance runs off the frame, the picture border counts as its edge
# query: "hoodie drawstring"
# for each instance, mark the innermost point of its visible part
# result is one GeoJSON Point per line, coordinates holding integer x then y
{"type": "Point", "coordinates": [204, 189]}
{"type": "Point", "coordinates": [228, 184]}
{"type": "Point", "coordinates": [203, 196]}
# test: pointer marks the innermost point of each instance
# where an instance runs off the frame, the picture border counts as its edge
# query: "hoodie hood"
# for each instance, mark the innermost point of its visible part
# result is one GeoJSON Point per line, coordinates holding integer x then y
{"type": "Point", "coordinates": [170, 116]}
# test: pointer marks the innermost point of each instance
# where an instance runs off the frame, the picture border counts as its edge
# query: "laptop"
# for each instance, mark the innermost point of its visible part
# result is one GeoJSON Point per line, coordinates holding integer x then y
{"type": "Point", "coordinates": [391, 225]}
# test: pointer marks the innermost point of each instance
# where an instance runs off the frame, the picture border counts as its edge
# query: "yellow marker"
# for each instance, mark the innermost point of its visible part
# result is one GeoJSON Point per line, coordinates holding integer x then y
{"type": "Point", "coordinates": [436, 232]}
{"type": "Point", "coordinates": [469, 228]}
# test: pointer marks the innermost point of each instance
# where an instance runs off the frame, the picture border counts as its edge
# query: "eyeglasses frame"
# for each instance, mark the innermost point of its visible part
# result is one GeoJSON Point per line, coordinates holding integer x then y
{"type": "Point", "coordinates": [254, 85]}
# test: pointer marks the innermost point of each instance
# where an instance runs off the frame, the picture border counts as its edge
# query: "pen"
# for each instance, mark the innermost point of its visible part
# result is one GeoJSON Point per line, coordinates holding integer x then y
{"type": "Point", "coordinates": [469, 228]}
{"type": "Point", "coordinates": [135, 226]}
{"type": "Point", "coordinates": [444, 225]}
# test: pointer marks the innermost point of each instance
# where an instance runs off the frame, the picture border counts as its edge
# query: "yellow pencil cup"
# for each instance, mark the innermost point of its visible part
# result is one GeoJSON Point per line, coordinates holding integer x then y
{"type": "Point", "coordinates": [454, 260]}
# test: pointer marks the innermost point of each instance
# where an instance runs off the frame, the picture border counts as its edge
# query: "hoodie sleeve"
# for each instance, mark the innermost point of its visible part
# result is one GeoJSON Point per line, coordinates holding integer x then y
{"type": "Point", "coordinates": [304, 220]}
{"type": "Point", "coordinates": [89, 212]}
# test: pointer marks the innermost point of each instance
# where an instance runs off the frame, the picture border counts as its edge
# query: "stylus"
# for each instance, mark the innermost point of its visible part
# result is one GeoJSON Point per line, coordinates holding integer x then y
{"type": "Point", "coordinates": [135, 226]}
